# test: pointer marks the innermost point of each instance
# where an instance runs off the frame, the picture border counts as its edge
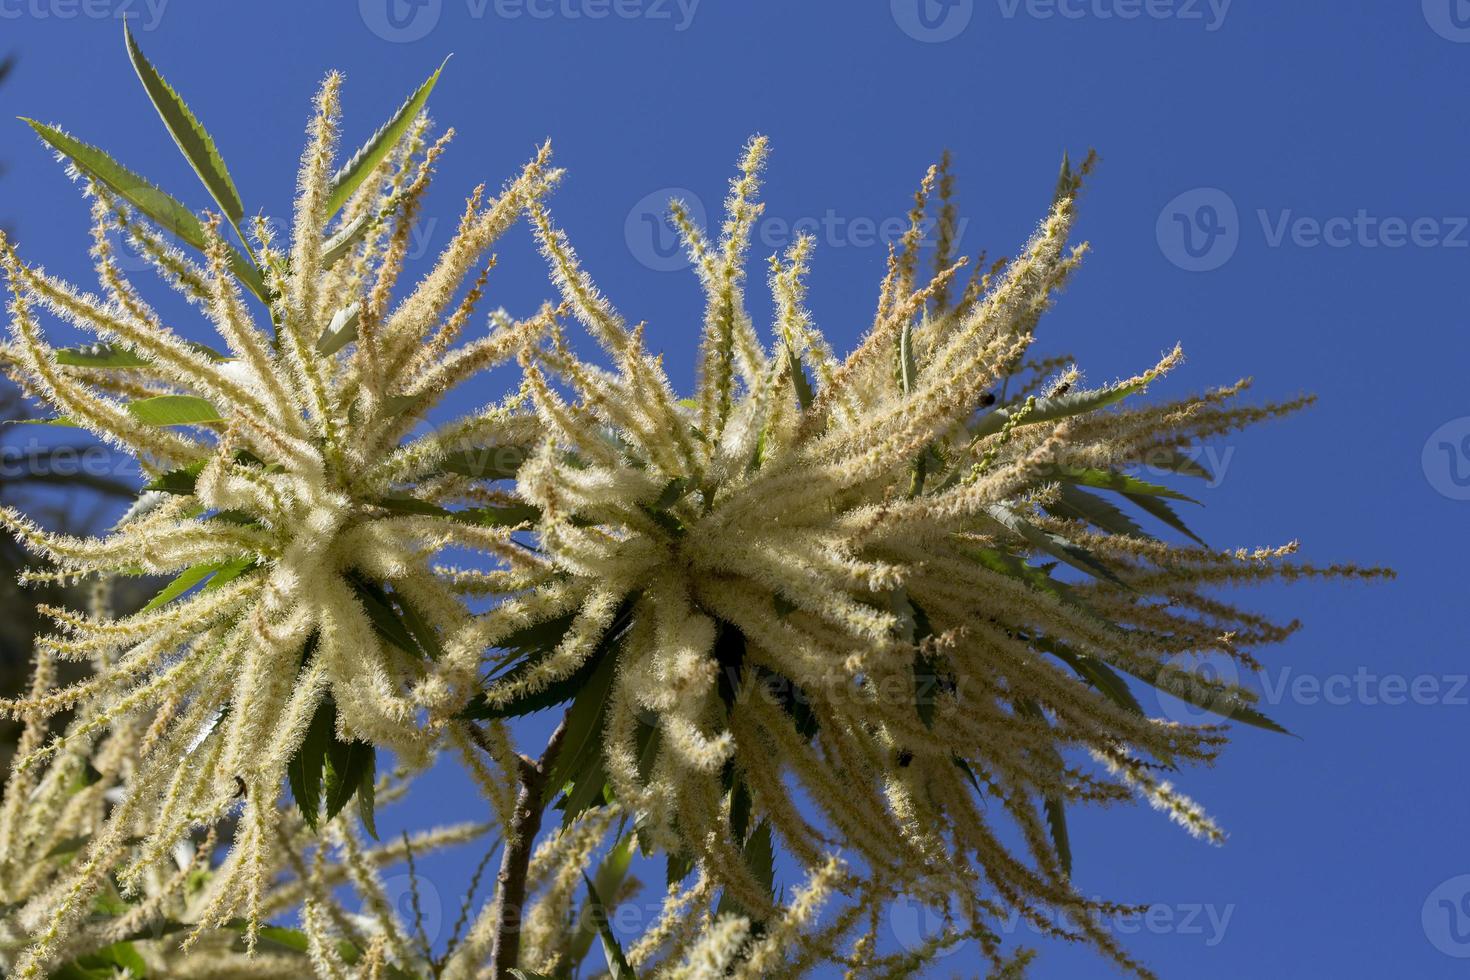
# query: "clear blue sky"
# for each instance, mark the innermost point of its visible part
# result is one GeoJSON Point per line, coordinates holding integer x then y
{"type": "Point", "coordinates": [1283, 191]}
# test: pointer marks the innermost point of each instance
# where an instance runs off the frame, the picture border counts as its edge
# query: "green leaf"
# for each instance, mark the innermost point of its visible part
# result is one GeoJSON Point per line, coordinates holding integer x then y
{"type": "Point", "coordinates": [1052, 409]}
{"type": "Point", "coordinates": [304, 771]}
{"type": "Point", "coordinates": [1053, 806]}
{"type": "Point", "coordinates": [366, 795]}
{"type": "Point", "coordinates": [173, 410]}
{"type": "Point", "coordinates": [193, 140]}
{"type": "Point", "coordinates": [1075, 504]}
{"type": "Point", "coordinates": [183, 583]}
{"type": "Point", "coordinates": [1161, 509]}
{"type": "Point", "coordinates": [344, 238]}
{"type": "Point", "coordinates": [348, 763]}
{"type": "Point", "coordinates": [341, 331]}
{"type": "Point", "coordinates": [1096, 673]}
{"type": "Point", "coordinates": [581, 745]}
{"type": "Point", "coordinates": [164, 209]}
{"type": "Point", "coordinates": [1206, 695]}
{"type": "Point", "coordinates": [611, 874]}
{"type": "Point", "coordinates": [1110, 480]}
{"type": "Point", "coordinates": [364, 161]}
{"type": "Point", "coordinates": [385, 617]}
{"type": "Point", "coordinates": [1056, 822]}
{"type": "Point", "coordinates": [760, 859]}
{"type": "Point", "coordinates": [104, 964]}
{"type": "Point", "coordinates": [117, 356]}
{"type": "Point", "coordinates": [1054, 545]}
{"type": "Point", "coordinates": [520, 974]}
{"type": "Point", "coordinates": [1178, 461]}
{"type": "Point", "coordinates": [490, 463]}
{"type": "Point", "coordinates": [508, 515]}
{"type": "Point", "coordinates": [617, 963]}
{"type": "Point", "coordinates": [804, 394]}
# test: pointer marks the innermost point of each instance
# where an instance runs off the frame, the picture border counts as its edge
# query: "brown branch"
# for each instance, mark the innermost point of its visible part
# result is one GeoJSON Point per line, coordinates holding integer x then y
{"type": "Point", "coordinates": [510, 885]}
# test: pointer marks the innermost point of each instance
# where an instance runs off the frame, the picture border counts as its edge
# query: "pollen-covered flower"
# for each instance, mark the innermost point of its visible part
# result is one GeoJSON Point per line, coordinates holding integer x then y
{"type": "Point", "coordinates": [833, 580]}
{"type": "Point", "coordinates": [298, 496]}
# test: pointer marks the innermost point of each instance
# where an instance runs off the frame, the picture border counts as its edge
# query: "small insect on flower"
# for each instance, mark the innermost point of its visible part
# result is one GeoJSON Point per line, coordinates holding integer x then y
{"type": "Point", "coordinates": [297, 496]}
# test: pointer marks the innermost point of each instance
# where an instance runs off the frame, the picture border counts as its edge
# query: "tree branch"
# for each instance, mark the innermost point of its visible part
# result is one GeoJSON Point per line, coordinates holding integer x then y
{"type": "Point", "coordinates": [520, 837]}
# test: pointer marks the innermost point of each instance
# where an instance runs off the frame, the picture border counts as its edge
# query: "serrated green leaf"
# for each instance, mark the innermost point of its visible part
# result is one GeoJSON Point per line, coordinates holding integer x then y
{"type": "Point", "coordinates": [385, 617]}
{"type": "Point", "coordinates": [581, 745]}
{"type": "Point", "coordinates": [304, 771]}
{"type": "Point", "coordinates": [1056, 823]}
{"type": "Point", "coordinates": [617, 963]}
{"type": "Point", "coordinates": [1161, 510]}
{"type": "Point", "coordinates": [1079, 505]}
{"type": "Point", "coordinates": [367, 788]}
{"type": "Point", "coordinates": [611, 873]}
{"type": "Point", "coordinates": [347, 762]}
{"type": "Point", "coordinates": [490, 463]}
{"type": "Point", "coordinates": [162, 208]}
{"type": "Point", "coordinates": [1052, 409]}
{"type": "Point", "coordinates": [193, 140]}
{"type": "Point", "coordinates": [344, 238]}
{"type": "Point", "coordinates": [1202, 693]}
{"type": "Point", "coordinates": [1110, 480]}
{"type": "Point", "coordinates": [379, 145]}
{"type": "Point", "coordinates": [341, 331]}
{"type": "Point", "coordinates": [183, 583]}
{"type": "Point", "coordinates": [760, 859]}
{"type": "Point", "coordinates": [1096, 673]}
{"type": "Point", "coordinates": [1054, 545]}
{"type": "Point", "coordinates": [115, 356]}
{"type": "Point", "coordinates": [164, 410]}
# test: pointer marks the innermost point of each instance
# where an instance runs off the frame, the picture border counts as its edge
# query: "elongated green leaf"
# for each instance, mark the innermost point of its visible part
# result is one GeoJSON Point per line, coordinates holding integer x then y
{"type": "Point", "coordinates": [1161, 509]}
{"type": "Point", "coordinates": [489, 463]}
{"type": "Point", "coordinates": [193, 140]}
{"type": "Point", "coordinates": [173, 410]}
{"type": "Point", "coordinates": [385, 618]}
{"type": "Point", "coordinates": [116, 356]}
{"type": "Point", "coordinates": [1206, 695]}
{"type": "Point", "coordinates": [345, 237]}
{"type": "Point", "coordinates": [162, 208]}
{"type": "Point", "coordinates": [617, 963]}
{"type": "Point", "coordinates": [183, 583]}
{"type": "Point", "coordinates": [1054, 545]}
{"type": "Point", "coordinates": [341, 331]}
{"type": "Point", "coordinates": [367, 789]}
{"type": "Point", "coordinates": [1053, 807]}
{"type": "Point", "coordinates": [581, 746]}
{"type": "Point", "coordinates": [347, 765]}
{"type": "Point", "coordinates": [305, 768]}
{"type": "Point", "coordinates": [1094, 672]}
{"type": "Point", "coordinates": [1111, 480]}
{"type": "Point", "coordinates": [1052, 409]}
{"type": "Point", "coordinates": [1075, 504]}
{"type": "Point", "coordinates": [760, 858]}
{"type": "Point", "coordinates": [1178, 461]}
{"type": "Point", "coordinates": [1056, 823]}
{"type": "Point", "coordinates": [379, 145]}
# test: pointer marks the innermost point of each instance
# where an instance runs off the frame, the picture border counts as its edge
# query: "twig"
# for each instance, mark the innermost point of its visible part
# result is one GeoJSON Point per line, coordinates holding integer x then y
{"type": "Point", "coordinates": [510, 885]}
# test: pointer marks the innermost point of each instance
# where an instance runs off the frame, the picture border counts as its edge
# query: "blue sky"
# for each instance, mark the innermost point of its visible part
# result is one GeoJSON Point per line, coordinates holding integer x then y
{"type": "Point", "coordinates": [1282, 191]}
